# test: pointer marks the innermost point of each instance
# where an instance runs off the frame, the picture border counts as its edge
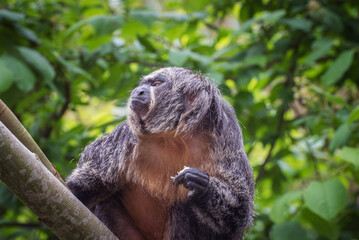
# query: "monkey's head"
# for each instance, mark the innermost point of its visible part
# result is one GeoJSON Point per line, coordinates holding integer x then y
{"type": "Point", "coordinates": [171, 100]}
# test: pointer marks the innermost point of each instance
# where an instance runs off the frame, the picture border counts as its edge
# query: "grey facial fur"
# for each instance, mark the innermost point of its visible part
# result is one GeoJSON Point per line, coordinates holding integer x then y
{"type": "Point", "coordinates": [177, 118]}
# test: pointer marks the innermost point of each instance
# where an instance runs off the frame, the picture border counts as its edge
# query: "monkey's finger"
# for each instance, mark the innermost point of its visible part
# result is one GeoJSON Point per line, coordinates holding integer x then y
{"type": "Point", "coordinates": [192, 186]}
{"type": "Point", "coordinates": [194, 189]}
{"type": "Point", "coordinates": [200, 174]}
{"type": "Point", "coordinates": [178, 179]}
{"type": "Point", "coordinates": [198, 179]}
{"type": "Point", "coordinates": [181, 176]}
{"type": "Point", "coordinates": [184, 177]}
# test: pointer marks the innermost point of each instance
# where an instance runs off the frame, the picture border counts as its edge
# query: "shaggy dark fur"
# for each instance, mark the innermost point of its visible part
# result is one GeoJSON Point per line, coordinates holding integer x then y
{"type": "Point", "coordinates": [177, 118]}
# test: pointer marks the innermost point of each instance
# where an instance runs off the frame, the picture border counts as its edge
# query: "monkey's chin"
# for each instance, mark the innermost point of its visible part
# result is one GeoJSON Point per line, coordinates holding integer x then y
{"type": "Point", "coordinates": [139, 107]}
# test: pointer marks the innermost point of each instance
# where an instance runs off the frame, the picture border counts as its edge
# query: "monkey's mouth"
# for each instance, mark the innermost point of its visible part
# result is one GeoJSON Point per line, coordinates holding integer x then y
{"type": "Point", "coordinates": [139, 106]}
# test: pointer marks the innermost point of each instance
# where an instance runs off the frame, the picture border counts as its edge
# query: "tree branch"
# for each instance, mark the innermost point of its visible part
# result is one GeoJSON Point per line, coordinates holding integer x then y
{"type": "Point", "coordinates": [39, 190]}
{"type": "Point", "coordinates": [16, 128]}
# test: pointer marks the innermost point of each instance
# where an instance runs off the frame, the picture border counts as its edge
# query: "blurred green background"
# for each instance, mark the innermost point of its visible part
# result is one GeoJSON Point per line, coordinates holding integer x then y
{"type": "Point", "coordinates": [289, 68]}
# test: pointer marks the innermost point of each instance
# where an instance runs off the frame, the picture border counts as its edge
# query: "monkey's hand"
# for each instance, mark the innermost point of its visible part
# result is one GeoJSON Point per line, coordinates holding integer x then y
{"type": "Point", "coordinates": [195, 180]}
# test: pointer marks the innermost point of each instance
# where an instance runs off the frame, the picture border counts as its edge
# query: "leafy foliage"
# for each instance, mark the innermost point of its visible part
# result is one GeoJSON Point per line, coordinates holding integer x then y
{"type": "Point", "coordinates": [287, 67]}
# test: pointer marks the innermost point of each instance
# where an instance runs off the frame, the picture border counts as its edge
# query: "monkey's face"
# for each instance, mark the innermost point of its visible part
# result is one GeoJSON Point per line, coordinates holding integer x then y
{"type": "Point", "coordinates": [146, 95]}
{"type": "Point", "coordinates": [169, 99]}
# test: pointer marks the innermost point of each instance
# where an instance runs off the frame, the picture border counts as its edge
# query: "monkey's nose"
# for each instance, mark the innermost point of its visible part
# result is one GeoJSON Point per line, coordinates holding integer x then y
{"type": "Point", "coordinates": [140, 99]}
{"type": "Point", "coordinates": [141, 93]}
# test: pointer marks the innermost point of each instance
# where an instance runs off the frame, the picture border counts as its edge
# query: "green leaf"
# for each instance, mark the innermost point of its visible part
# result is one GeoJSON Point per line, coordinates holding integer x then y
{"type": "Point", "coordinates": [24, 78]}
{"type": "Point", "coordinates": [38, 62]}
{"type": "Point", "coordinates": [341, 136]}
{"type": "Point", "coordinates": [245, 98]}
{"type": "Point", "coordinates": [177, 57]}
{"type": "Point", "coordinates": [11, 16]}
{"type": "Point", "coordinates": [298, 23]}
{"type": "Point", "coordinates": [117, 78]}
{"type": "Point", "coordinates": [173, 31]}
{"type": "Point", "coordinates": [268, 17]}
{"type": "Point", "coordinates": [246, 12]}
{"type": "Point", "coordinates": [246, 75]}
{"type": "Point", "coordinates": [320, 47]}
{"type": "Point", "coordinates": [281, 208]}
{"type": "Point", "coordinates": [146, 43]}
{"type": "Point", "coordinates": [258, 60]}
{"type": "Point", "coordinates": [326, 199]}
{"type": "Point", "coordinates": [225, 51]}
{"type": "Point", "coordinates": [103, 24]}
{"type": "Point", "coordinates": [216, 77]}
{"type": "Point", "coordinates": [323, 227]}
{"type": "Point", "coordinates": [354, 115]}
{"type": "Point", "coordinates": [197, 5]}
{"type": "Point", "coordinates": [256, 50]}
{"type": "Point", "coordinates": [146, 17]}
{"type": "Point", "coordinates": [205, 60]}
{"type": "Point", "coordinates": [331, 98]}
{"type": "Point", "coordinates": [26, 33]}
{"type": "Point", "coordinates": [131, 29]}
{"type": "Point", "coordinates": [102, 63]}
{"type": "Point", "coordinates": [273, 17]}
{"type": "Point", "coordinates": [350, 155]}
{"type": "Point", "coordinates": [6, 77]}
{"type": "Point", "coordinates": [332, 20]}
{"type": "Point", "coordinates": [338, 68]}
{"type": "Point", "coordinates": [289, 230]}
{"type": "Point", "coordinates": [246, 26]}
{"type": "Point", "coordinates": [72, 68]}
{"type": "Point", "coordinates": [176, 16]}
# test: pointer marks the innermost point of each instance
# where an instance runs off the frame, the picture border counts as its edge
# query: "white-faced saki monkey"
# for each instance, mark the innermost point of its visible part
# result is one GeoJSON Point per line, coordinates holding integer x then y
{"type": "Point", "coordinates": [176, 169]}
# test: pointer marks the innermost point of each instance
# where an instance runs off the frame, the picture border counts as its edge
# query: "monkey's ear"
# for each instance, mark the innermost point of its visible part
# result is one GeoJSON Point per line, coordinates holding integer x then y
{"type": "Point", "coordinates": [197, 103]}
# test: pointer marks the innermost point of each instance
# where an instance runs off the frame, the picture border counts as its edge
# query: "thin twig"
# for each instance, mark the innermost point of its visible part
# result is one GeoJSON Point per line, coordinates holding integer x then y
{"type": "Point", "coordinates": [267, 159]}
{"type": "Point", "coordinates": [288, 84]}
{"type": "Point", "coordinates": [18, 224]}
{"type": "Point", "coordinates": [56, 115]}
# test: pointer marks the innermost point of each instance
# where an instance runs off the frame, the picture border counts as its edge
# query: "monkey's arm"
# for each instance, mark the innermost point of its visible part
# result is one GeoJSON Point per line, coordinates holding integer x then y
{"type": "Point", "coordinates": [86, 184]}
{"type": "Point", "coordinates": [99, 170]}
{"type": "Point", "coordinates": [224, 205]}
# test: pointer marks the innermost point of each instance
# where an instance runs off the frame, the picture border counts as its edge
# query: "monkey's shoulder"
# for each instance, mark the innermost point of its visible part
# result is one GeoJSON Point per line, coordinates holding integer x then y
{"type": "Point", "coordinates": [115, 145]}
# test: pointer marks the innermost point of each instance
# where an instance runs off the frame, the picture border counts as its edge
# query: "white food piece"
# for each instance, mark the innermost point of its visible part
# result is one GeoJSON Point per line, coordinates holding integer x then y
{"type": "Point", "coordinates": [178, 173]}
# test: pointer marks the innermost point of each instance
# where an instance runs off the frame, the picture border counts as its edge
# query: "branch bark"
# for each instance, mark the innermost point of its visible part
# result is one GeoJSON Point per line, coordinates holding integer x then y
{"type": "Point", "coordinates": [41, 191]}
{"type": "Point", "coordinates": [15, 126]}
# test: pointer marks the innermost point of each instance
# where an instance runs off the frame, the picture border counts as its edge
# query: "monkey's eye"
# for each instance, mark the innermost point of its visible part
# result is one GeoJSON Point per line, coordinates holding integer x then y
{"type": "Point", "coordinates": [155, 83]}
